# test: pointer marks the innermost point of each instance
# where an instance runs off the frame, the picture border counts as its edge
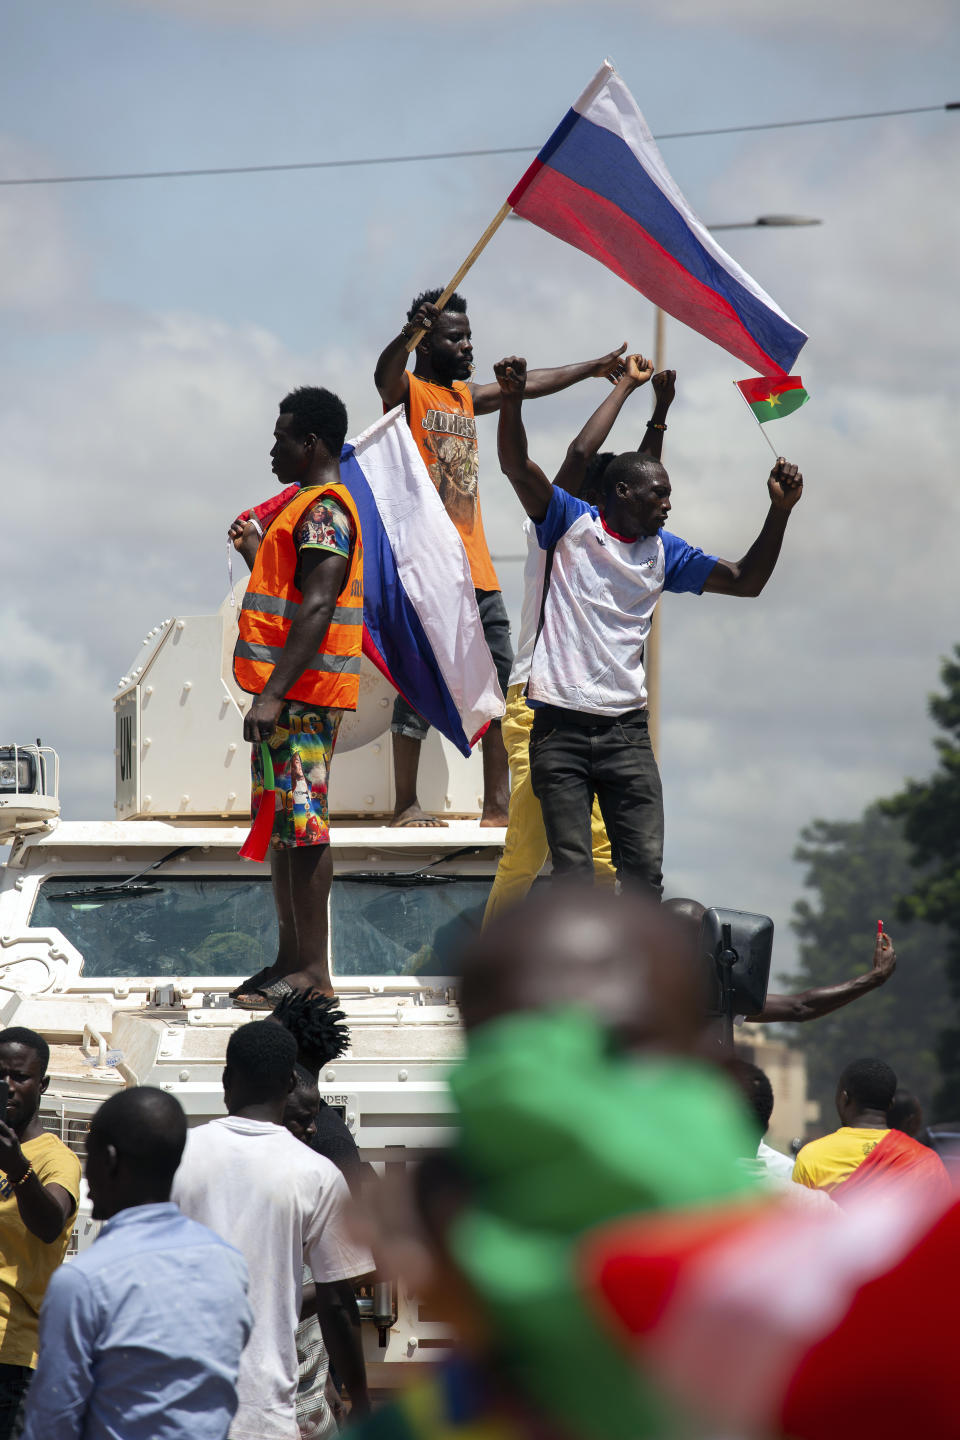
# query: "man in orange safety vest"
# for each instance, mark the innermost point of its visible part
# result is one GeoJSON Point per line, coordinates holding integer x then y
{"type": "Point", "coordinates": [298, 654]}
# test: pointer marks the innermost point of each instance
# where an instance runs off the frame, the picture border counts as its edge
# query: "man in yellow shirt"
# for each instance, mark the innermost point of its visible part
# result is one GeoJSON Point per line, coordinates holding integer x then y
{"type": "Point", "coordinates": [39, 1187]}
{"type": "Point", "coordinates": [865, 1153]}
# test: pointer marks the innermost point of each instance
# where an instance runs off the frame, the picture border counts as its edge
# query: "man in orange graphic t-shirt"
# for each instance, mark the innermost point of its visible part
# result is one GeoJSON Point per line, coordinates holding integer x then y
{"type": "Point", "coordinates": [441, 405]}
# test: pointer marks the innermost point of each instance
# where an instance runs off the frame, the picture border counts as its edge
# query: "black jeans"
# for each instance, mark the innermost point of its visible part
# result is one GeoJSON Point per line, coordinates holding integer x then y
{"type": "Point", "coordinates": [14, 1383]}
{"type": "Point", "coordinates": [574, 757]}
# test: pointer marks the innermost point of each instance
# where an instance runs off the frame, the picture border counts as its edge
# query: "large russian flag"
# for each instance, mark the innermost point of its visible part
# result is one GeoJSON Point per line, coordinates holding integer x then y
{"type": "Point", "coordinates": [421, 623]}
{"type": "Point", "coordinates": [600, 184]}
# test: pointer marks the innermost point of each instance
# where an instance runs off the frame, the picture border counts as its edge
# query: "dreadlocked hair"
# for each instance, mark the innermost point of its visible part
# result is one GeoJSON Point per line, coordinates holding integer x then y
{"type": "Point", "coordinates": [316, 1023]}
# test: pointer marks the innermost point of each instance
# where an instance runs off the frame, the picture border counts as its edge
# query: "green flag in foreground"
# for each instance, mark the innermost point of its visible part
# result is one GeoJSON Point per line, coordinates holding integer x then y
{"type": "Point", "coordinates": [558, 1136]}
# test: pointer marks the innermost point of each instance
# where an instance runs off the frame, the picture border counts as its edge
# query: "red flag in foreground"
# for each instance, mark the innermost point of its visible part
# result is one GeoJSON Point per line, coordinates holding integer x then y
{"type": "Point", "coordinates": [772, 396]}
{"type": "Point", "coordinates": [769, 1321]}
{"type": "Point", "coordinates": [257, 843]}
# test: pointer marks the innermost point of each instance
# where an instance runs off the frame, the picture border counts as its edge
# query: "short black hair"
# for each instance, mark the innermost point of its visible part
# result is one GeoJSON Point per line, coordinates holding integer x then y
{"type": "Point", "coordinates": [632, 466]}
{"type": "Point", "coordinates": [754, 1085]}
{"type": "Point", "coordinates": [457, 305]}
{"type": "Point", "coordinates": [871, 1083]}
{"type": "Point", "coordinates": [317, 412]}
{"type": "Point", "coordinates": [316, 1023]}
{"type": "Point", "coordinates": [147, 1128]}
{"type": "Point", "coordinates": [20, 1035]}
{"type": "Point", "coordinates": [304, 1079]}
{"type": "Point", "coordinates": [263, 1055]}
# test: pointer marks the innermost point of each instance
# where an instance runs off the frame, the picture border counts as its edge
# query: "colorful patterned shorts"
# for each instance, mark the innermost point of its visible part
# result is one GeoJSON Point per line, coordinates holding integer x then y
{"type": "Point", "coordinates": [301, 748]}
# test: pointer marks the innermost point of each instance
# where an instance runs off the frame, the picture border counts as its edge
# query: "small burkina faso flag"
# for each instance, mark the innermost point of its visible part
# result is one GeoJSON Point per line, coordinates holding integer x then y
{"type": "Point", "coordinates": [771, 396]}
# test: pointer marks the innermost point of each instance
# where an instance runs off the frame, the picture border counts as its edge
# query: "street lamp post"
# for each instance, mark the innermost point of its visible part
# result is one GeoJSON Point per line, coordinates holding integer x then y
{"type": "Point", "coordinates": [651, 652]}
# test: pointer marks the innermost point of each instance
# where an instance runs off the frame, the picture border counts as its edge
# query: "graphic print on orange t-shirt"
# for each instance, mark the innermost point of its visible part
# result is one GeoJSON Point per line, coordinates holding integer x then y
{"type": "Point", "coordinates": [442, 424]}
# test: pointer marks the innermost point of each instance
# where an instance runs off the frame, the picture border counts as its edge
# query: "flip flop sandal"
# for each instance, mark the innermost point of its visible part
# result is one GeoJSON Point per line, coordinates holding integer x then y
{"type": "Point", "coordinates": [253, 982]}
{"type": "Point", "coordinates": [265, 998]}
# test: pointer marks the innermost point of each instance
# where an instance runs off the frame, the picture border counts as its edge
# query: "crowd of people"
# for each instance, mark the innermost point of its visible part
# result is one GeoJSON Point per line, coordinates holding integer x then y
{"type": "Point", "coordinates": [222, 1284]}
{"type": "Point", "coordinates": [219, 1297]}
{"type": "Point", "coordinates": [617, 1249]}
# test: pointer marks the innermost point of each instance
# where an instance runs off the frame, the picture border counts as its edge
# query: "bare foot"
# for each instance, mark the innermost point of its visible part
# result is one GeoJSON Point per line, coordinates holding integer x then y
{"type": "Point", "coordinates": [418, 819]}
{"type": "Point", "coordinates": [491, 819]}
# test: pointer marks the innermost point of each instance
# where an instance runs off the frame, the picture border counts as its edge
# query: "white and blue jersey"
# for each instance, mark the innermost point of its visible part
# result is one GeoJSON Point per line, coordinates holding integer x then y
{"type": "Point", "coordinates": [600, 602]}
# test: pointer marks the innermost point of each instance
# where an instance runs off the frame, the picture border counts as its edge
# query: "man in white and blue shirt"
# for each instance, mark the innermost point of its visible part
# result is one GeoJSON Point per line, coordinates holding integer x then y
{"type": "Point", "coordinates": [608, 568]}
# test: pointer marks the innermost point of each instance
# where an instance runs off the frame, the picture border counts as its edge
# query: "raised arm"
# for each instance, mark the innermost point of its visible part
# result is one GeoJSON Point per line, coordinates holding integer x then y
{"type": "Point", "coordinates": [811, 1004]}
{"type": "Point", "coordinates": [532, 486]}
{"type": "Point", "coordinates": [748, 576]}
{"type": "Point", "coordinates": [487, 398]}
{"type": "Point", "coordinates": [635, 371]}
{"type": "Point", "coordinates": [390, 374]}
{"type": "Point", "coordinates": [664, 388]}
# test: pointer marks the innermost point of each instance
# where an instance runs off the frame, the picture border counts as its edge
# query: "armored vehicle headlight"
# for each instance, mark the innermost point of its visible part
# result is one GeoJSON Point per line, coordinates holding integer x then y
{"type": "Point", "coordinates": [17, 771]}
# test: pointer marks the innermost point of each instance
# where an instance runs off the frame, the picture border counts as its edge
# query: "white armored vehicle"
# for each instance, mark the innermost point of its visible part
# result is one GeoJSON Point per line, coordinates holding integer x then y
{"type": "Point", "coordinates": [120, 939]}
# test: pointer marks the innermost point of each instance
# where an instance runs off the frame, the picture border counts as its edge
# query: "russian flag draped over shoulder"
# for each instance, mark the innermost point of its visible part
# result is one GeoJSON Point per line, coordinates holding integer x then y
{"type": "Point", "coordinates": [422, 627]}
{"type": "Point", "coordinates": [600, 184]}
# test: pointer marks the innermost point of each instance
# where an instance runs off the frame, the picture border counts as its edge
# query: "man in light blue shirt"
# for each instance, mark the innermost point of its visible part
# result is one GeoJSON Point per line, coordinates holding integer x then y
{"type": "Point", "coordinates": [141, 1335]}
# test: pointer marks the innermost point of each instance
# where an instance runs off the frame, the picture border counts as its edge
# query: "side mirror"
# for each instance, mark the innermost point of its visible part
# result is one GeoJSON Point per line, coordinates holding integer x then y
{"type": "Point", "coordinates": [736, 948]}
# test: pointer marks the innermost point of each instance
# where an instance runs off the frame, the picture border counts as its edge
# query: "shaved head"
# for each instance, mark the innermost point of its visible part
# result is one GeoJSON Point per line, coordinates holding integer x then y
{"type": "Point", "coordinates": [146, 1127]}
{"type": "Point", "coordinates": [622, 957]}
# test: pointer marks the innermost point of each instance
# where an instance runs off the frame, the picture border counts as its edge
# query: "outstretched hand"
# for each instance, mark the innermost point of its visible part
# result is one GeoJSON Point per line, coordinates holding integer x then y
{"type": "Point", "coordinates": [664, 386]}
{"type": "Point", "coordinates": [785, 485]}
{"type": "Point", "coordinates": [608, 366]}
{"type": "Point", "coordinates": [511, 375]}
{"type": "Point", "coordinates": [884, 956]}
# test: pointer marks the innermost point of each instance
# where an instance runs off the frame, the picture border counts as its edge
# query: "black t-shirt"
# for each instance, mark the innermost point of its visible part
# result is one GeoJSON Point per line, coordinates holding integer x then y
{"type": "Point", "coordinates": [333, 1139]}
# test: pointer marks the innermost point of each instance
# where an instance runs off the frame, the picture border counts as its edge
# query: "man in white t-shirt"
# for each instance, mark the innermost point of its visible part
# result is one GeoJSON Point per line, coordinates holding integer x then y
{"type": "Point", "coordinates": [282, 1206]}
{"type": "Point", "coordinates": [609, 567]}
{"type": "Point", "coordinates": [525, 848]}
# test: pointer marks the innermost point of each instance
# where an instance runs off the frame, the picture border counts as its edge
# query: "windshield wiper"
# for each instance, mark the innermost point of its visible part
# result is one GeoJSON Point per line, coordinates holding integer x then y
{"type": "Point", "coordinates": [413, 877]}
{"type": "Point", "coordinates": [122, 887]}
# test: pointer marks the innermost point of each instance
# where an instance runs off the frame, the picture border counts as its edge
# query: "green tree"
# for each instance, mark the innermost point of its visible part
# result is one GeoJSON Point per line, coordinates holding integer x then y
{"type": "Point", "coordinates": [929, 812]}
{"type": "Point", "coordinates": [857, 870]}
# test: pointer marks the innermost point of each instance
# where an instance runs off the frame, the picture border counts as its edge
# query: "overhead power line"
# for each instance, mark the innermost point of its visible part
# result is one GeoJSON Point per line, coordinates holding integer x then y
{"type": "Point", "coordinates": [450, 154]}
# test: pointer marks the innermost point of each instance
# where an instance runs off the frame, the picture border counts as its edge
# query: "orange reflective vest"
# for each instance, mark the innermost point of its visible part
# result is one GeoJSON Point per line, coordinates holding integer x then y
{"type": "Point", "coordinates": [272, 600]}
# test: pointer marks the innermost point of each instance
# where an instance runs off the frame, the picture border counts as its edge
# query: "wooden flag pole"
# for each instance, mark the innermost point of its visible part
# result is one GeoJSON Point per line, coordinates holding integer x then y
{"type": "Point", "coordinates": [481, 244]}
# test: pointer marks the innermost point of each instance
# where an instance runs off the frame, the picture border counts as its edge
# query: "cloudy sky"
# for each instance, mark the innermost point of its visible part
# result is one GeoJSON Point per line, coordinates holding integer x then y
{"type": "Point", "coordinates": [152, 325]}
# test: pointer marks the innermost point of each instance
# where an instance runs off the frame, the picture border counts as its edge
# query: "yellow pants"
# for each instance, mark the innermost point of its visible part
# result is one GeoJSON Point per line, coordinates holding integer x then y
{"type": "Point", "coordinates": [526, 850]}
